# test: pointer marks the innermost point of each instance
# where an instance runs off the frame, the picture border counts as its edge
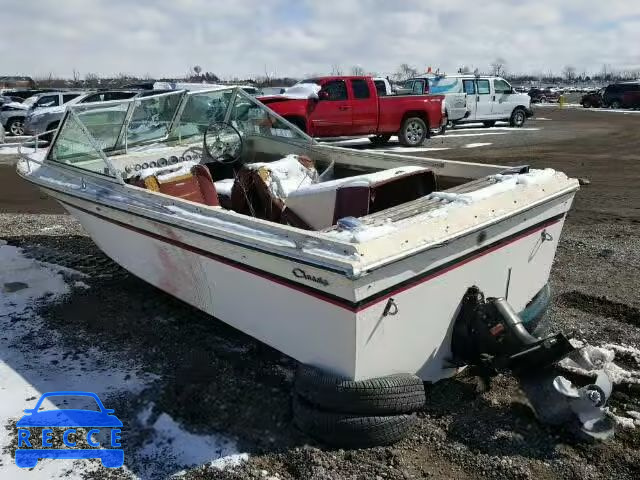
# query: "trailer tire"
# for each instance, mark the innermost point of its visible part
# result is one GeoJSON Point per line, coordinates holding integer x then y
{"type": "Point", "coordinates": [413, 132]}
{"type": "Point", "coordinates": [380, 140]}
{"type": "Point", "coordinates": [348, 430]}
{"type": "Point", "coordinates": [389, 395]}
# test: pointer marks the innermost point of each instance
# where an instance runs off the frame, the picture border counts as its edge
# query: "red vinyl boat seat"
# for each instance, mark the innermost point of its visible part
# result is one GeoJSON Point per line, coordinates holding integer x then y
{"type": "Point", "coordinates": [187, 181]}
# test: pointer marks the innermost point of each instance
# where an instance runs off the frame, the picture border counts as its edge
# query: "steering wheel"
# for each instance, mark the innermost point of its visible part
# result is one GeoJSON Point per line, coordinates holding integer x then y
{"type": "Point", "coordinates": [223, 143]}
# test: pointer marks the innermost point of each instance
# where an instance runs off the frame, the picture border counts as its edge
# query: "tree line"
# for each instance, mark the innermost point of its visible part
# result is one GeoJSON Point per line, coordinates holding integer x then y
{"type": "Point", "coordinates": [404, 71]}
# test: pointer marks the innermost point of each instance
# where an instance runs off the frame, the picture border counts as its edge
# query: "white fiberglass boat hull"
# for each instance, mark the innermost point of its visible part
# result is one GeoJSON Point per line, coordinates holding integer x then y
{"type": "Point", "coordinates": [321, 317]}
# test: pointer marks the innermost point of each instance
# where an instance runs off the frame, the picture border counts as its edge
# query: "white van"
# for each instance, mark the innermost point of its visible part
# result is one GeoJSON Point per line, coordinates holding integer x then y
{"type": "Point", "coordinates": [471, 98]}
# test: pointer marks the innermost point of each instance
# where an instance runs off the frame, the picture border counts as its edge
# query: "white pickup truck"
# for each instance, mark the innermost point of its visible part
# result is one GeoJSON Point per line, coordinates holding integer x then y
{"type": "Point", "coordinates": [471, 98]}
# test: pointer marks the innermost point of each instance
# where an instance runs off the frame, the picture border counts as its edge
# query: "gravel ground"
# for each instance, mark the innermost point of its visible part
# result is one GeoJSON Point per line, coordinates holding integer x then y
{"type": "Point", "coordinates": [213, 378]}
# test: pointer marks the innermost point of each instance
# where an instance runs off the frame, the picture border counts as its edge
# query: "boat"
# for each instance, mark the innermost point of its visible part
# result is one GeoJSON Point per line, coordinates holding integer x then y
{"type": "Point", "coordinates": [357, 262]}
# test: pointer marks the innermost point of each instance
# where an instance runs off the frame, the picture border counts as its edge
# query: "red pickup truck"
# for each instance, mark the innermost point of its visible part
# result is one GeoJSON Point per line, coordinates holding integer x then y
{"type": "Point", "coordinates": [350, 106]}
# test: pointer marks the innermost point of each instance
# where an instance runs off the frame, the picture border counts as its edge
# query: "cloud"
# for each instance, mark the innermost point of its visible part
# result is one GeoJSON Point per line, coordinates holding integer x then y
{"type": "Point", "coordinates": [301, 37]}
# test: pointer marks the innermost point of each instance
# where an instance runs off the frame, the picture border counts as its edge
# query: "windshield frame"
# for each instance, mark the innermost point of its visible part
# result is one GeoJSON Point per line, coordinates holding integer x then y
{"type": "Point", "coordinates": [121, 145]}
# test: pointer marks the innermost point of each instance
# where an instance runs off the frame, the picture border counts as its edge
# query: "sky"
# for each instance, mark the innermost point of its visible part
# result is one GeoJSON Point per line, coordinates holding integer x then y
{"type": "Point", "coordinates": [241, 38]}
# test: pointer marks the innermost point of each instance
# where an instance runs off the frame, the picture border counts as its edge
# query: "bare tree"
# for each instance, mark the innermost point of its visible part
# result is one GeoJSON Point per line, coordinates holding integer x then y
{"type": "Point", "coordinates": [405, 71]}
{"type": "Point", "coordinates": [498, 67]}
{"type": "Point", "coordinates": [569, 73]}
{"type": "Point", "coordinates": [357, 71]}
{"type": "Point", "coordinates": [197, 69]}
{"type": "Point", "coordinates": [336, 71]}
{"type": "Point", "coordinates": [76, 77]}
{"type": "Point", "coordinates": [464, 69]}
{"type": "Point", "coordinates": [267, 76]}
{"type": "Point", "coordinates": [92, 80]}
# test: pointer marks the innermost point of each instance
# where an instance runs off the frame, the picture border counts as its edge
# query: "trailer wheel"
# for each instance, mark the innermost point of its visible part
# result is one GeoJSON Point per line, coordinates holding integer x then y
{"type": "Point", "coordinates": [586, 104]}
{"type": "Point", "coordinates": [392, 394]}
{"type": "Point", "coordinates": [348, 430]}
{"type": "Point", "coordinates": [380, 140]}
{"type": "Point", "coordinates": [413, 132]}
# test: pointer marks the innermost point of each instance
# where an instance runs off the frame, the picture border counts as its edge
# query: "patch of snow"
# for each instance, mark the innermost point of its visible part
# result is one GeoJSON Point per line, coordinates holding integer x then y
{"type": "Point", "coordinates": [534, 177]}
{"type": "Point", "coordinates": [41, 279]}
{"type": "Point", "coordinates": [589, 359]}
{"type": "Point", "coordinates": [363, 233]}
{"type": "Point", "coordinates": [9, 149]}
{"type": "Point", "coordinates": [475, 145]}
{"type": "Point", "coordinates": [542, 118]}
{"type": "Point", "coordinates": [17, 105]}
{"type": "Point", "coordinates": [503, 183]}
{"type": "Point", "coordinates": [349, 142]}
{"type": "Point", "coordinates": [412, 149]}
{"type": "Point", "coordinates": [25, 376]}
{"type": "Point", "coordinates": [501, 129]}
{"type": "Point", "coordinates": [224, 186]}
{"type": "Point", "coordinates": [612, 110]}
{"type": "Point", "coordinates": [175, 446]}
{"type": "Point", "coordinates": [81, 284]}
{"type": "Point", "coordinates": [52, 227]}
{"type": "Point", "coordinates": [286, 175]}
{"type": "Point", "coordinates": [301, 91]}
{"type": "Point", "coordinates": [479, 134]}
{"type": "Point", "coordinates": [624, 422]}
{"type": "Point", "coordinates": [168, 172]}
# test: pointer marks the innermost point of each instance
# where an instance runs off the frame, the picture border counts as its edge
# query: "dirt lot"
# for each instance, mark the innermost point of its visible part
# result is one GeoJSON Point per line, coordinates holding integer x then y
{"type": "Point", "coordinates": [211, 378]}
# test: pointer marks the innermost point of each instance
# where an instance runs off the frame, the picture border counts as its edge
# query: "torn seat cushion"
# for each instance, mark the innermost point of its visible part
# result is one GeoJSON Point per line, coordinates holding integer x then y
{"type": "Point", "coordinates": [189, 181]}
{"type": "Point", "coordinates": [260, 189]}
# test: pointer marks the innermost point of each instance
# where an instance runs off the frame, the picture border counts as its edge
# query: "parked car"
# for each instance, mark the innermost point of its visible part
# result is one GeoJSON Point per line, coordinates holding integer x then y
{"type": "Point", "coordinates": [622, 95]}
{"type": "Point", "coordinates": [593, 99]}
{"type": "Point", "coordinates": [351, 106]}
{"type": "Point", "coordinates": [471, 98]}
{"type": "Point", "coordinates": [383, 86]}
{"type": "Point", "coordinates": [12, 115]}
{"type": "Point", "coordinates": [43, 120]}
{"type": "Point", "coordinates": [26, 93]}
{"type": "Point", "coordinates": [544, 95]}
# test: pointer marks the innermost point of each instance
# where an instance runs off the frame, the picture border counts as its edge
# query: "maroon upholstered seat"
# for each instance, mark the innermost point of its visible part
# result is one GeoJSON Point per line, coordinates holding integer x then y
{"type": "Point", "coordinates": [195, 185]}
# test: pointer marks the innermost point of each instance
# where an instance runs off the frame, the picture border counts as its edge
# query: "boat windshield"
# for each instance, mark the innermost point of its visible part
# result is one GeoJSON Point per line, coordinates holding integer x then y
{"type": "Point", "coordinates": [92, 135]}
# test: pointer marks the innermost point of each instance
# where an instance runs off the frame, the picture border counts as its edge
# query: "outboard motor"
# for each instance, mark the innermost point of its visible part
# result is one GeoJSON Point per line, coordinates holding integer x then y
{"type": "Point", "coordinates": [489, 334]}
